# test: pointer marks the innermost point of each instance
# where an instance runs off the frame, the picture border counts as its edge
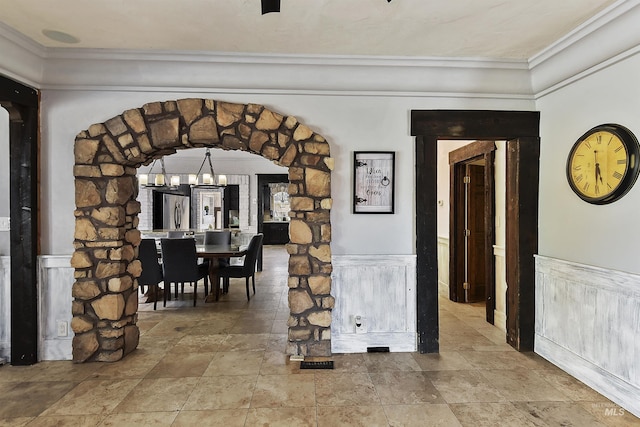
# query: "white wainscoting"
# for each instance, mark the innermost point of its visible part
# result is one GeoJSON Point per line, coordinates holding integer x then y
{"type": "Point", "coordinates": [381, 289]}
{"type": "Point", "coordinates": [588, 324]}
{"type": "Point", "coordinates": [55, 280]}
{"type": "Point", "coordinates": [443, 267]}
{"type": "Point", "coordinates": [5, 308]}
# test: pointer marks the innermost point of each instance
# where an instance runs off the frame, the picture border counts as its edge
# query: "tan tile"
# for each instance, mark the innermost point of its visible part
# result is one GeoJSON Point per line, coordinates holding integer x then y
{"type": "Point", "coordinates": [15, 422]}
{"type": "Point", "coordinates": [345, 389]}
{"type": "Point", "coordinates": [569, 386]}
{"type": "Point", "coordinates": [611, 414]}
{"type": "Point", "coordinates": [139, 419]}
{"type": "Point", "coordinates": [284, 391]}
{"type": "Point", "coordinates": [198, 344]}
{"type": "Point", "coordinates": [67, 421]}
{"type": "Point", "coordinates": [489, 414]}
{"type": "Point", "coordinates": [443, 361]}
{"type": "Point", "coordinates": [279, 363]}
{"type": "Point", "coordinates": [400, 387]}
{"type": "Point", "coordinates": [508, 359]}
{"type": "Point", "coordinates": [181, 365]}
{"type": "Point", "coordinates": [522, 385]}
{"type": "Point", "coordinates": [353, 362]}
{"type": "Point", "coordinates": [157, 395]}
{"type": "Point", "coordinates": [219, 417]}
{"type": "Point", "coordinates": [465, 386]}
{"type": "Point", "coordinates": [351, 416]}
{"type": "Point", "coordinates": [225, 392]}
{"type": "Point", "coordinates": [29, 399]}
{"type": "Point", "coordinates": [284, 417]}
{"type": "Point", "coordinates": [558, 414]}
{"type": "Point", "coordinates": [245, 342]}
{"type": "Point", "coordinates": [63, 370]}
{"type": "Point", "coordinates": [252, 327]}
{"type": "Point", "coordinates": [277, 342]}
{"type": "Point", "coordinates": [383, 362]}
{"type": "Point", "coordinates": [431, 415]}
{"type": "Point", "coordinates": [93, 397]}
{"type": "Point", "coordinates": [235, 363]}
{"type": "Point", "coordinates": [135, 365]}
{"type": "Point", "coordinates": [10, 373]}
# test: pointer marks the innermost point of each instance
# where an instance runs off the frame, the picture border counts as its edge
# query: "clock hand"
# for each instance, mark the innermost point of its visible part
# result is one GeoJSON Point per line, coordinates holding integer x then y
{"type": "Point", "coordinates": [598, 173]}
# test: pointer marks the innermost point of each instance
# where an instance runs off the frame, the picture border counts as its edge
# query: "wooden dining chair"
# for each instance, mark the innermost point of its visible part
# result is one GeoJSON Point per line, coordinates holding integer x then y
{"type": "Point", "coordinates": [180, 265]}
{"type": "Point", "coordinates": [248, 268]}
{"type": "Point", "coordinates": [151, 274]}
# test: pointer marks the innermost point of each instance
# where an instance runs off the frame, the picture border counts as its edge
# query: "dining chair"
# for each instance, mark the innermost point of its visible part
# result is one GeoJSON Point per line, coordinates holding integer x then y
{"type": "Point", "coordinates": [151, 274]}
{"type": "Point", "coordinates": [248, 268]}
{"type": "Point", "coordinates": [217, 237]}
{"type": "Point", "coordinates": [180, 265]}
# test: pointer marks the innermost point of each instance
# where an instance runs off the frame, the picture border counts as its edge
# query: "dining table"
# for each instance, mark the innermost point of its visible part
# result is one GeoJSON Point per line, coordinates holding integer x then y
{"type": "Point", "coordinates": [213, 253]}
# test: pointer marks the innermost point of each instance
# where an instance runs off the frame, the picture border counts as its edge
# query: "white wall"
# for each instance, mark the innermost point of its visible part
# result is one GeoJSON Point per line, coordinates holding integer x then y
{"type": "Point", "coordinates": [349, 122]}
{"type": "Point", "coordinates": [571, 229]}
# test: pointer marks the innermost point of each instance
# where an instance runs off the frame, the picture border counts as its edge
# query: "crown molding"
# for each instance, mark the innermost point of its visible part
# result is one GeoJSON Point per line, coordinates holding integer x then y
{"type": "Point", "coordinates": [603, 40]}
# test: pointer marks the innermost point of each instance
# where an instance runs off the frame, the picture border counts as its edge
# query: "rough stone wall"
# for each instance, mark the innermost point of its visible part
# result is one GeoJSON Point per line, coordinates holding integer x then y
{"type": "Point", "coordinates": [106, 236]}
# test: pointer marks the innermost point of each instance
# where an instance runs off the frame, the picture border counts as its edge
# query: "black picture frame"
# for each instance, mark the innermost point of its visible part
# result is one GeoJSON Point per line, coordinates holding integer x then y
{"type": "Point", "coordinates": [374, 182]}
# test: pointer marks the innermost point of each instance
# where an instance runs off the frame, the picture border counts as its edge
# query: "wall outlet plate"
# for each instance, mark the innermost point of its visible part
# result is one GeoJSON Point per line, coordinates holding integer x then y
{"type": "Point", "coordinates": [5, 223]}
{"type": "Point", "coordinates": [62, 328]}
{"type": "Point", "coordinates": [360, 324]}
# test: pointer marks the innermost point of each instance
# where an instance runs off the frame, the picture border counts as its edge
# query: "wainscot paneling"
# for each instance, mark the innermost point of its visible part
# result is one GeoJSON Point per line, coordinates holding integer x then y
{"type": "Point", "coordinates": [55, 280]}
{"type": "Point", "coordinates": [443, 267]}
{"type": "Point", "coordinates": [5, 309]}
{"type": "Point", "coordinates": [382, 290]}
{"type": "Point", "coordinates": [588, 324]}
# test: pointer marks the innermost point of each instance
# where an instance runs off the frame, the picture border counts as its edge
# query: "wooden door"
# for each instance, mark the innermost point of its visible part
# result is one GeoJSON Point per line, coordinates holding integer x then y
{"type": "Point", "coordinates": [475, 234]}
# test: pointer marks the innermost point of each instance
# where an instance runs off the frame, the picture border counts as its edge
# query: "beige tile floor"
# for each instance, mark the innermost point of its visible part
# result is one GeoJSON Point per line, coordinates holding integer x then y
{"type": "Point", "coordinates": [222, 364]}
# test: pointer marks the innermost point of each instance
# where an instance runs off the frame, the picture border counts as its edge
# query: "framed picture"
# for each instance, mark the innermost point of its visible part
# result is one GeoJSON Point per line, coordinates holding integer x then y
{"type": "Point", "coordinates": [373, 181]}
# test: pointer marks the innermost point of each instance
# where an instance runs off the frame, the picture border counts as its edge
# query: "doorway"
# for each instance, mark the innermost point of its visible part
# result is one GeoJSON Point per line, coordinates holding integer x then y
{"type": "Point", "coordinates": [521, 131]}
{"type": "Point", "coordinates": [472, 225]}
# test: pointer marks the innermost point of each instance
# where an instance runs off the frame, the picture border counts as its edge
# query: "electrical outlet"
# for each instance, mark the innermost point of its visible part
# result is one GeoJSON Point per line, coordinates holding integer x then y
{"type": "Point", "coordinates": [5, 223]}
{"type": "Point", "coordinates": [360, 324]}
{"type": "Point", "coordinates": [63, 328]}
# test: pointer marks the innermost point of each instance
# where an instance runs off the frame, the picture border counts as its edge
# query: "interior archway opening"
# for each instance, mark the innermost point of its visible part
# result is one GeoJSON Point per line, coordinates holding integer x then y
{"type": "Point", "coordinates": [106, 236]}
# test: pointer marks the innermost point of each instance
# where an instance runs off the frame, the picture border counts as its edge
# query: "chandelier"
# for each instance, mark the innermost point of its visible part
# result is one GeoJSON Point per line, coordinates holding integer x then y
{"type": "Point", "coordinates": [194, 180]}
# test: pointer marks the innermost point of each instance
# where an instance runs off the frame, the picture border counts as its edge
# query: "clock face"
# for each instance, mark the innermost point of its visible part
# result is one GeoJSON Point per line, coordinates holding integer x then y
{"type": "Point", "coordinates": [602, 165]}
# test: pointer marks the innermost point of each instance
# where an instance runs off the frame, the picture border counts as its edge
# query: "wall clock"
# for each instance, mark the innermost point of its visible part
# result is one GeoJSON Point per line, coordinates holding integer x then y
{"type": "Point", "coordinates": [603, 164]}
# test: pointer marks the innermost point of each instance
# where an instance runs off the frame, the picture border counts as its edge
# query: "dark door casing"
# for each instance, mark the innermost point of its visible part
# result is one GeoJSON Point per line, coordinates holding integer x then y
{"type": "Point", "coordinates": [521, 131]}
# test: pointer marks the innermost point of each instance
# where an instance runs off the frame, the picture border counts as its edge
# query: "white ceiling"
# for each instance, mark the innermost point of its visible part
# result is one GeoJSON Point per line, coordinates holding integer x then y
{"type": "Point", "coordinates": [501, 29]}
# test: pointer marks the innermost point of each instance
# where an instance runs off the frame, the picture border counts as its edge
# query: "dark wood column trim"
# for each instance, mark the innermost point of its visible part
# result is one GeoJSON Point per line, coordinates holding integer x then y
{"type": "Point", "coordinates": [22, 104]}
{"type": "Point", "coordinates": [427, 235]}
{"type": "Point", "coordinates": [521, 239]}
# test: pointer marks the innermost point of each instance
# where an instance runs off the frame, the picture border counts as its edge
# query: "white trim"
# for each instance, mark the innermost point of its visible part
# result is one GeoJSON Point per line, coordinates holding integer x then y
{"type": "Point", "coordinates": [605, 383]}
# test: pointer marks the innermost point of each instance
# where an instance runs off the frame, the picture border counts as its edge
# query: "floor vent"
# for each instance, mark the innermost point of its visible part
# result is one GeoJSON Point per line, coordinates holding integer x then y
{"type": "Point", "coordinates": [377, 349]}
{"type": "Point", "coordinates": [327, 364]}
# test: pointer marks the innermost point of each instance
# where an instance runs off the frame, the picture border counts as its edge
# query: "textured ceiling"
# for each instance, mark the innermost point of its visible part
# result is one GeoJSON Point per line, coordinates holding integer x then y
{"type": "Point", "coordinates": [501, 29]}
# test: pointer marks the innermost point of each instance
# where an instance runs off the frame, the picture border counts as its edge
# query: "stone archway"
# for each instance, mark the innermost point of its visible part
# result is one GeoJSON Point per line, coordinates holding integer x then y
{"type": "Point", "coordinates": [106, 236]}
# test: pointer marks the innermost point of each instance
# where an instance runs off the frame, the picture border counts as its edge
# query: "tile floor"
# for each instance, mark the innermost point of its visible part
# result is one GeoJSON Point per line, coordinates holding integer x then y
{"type": "Point", "coordinates": [223, 364]}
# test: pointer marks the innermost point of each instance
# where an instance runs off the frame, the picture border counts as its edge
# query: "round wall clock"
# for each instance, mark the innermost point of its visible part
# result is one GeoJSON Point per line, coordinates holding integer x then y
{"type": "Point", "coordinates": [603, 164]}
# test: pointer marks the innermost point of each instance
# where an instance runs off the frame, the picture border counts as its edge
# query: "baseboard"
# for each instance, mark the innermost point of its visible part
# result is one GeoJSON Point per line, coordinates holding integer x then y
{"type": "Point", "coordinates": [610, 386]}
{"type": "Point", "coordinates": [358, 343]}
